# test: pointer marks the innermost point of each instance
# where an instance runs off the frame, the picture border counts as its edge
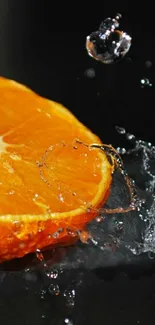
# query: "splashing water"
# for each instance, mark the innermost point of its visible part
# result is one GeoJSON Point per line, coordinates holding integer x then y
{"type": "Point", "coordinates": [108, 44]}
{"type": "Point", "coordinates": [145, 151]}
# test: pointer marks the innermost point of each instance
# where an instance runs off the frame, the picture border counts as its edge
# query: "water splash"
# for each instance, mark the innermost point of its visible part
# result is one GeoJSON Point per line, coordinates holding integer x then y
{"type": "Point", "coordinates": [145, 151]}
{"type": "Point", "coordinates": [108, 44]}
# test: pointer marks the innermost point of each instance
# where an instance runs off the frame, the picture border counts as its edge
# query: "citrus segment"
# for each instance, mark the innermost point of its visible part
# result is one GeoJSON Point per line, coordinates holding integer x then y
{"type": "Point", "coordinates": [49, 182]}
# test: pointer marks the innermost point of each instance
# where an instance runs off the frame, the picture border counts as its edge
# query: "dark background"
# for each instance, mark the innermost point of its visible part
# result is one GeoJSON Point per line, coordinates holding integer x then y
{"type": "Point", "coordinates": [44, 48]}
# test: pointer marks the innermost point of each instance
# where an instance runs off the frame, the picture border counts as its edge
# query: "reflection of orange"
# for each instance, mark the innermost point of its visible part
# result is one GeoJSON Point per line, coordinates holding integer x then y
{"type": "Point", "coordinates": [49, 182]}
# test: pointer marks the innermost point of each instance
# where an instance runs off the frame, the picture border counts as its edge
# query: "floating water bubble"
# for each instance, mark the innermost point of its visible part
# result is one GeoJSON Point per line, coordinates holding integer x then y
{"type": "Point", "coordinates": [108, 44]}
{"type": "Point", "coordinates": [120, 130]}
{"type": "Point", "coordinates": [54, 289]}
{"type": "Point", "coordinates": [145, 82]}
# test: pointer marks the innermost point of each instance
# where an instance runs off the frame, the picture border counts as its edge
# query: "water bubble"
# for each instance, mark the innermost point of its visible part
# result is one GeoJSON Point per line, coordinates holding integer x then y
{"type": "Point", "coordinates": [120, 130]}
{"type": "Point", "coordinates": [90, 73]}
{"type": "Point", "coordinates": [108, 44]}
{"type": "Point", "coordinates": [145, 82]}
{"type": "Point", "coordinates": [54, 289]}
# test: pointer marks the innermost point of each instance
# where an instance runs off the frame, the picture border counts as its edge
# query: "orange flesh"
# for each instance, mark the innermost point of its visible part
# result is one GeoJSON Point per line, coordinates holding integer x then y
{"type": "Point", "coordinates": [47, 180]}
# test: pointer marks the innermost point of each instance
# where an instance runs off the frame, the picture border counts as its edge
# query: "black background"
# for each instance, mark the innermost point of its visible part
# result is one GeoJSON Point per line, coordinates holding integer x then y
{"type": "Point", "coordinates": [44, 48]}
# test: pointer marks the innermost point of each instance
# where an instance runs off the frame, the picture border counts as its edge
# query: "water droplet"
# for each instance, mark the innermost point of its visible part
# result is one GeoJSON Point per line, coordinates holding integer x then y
{"type": "Point", "coordinates": [108, 44]}
{"type": "Point", "coordinates": [68, 321]}
{"type": "Point", "coordinates": [119, 225]}
{"type": "Point", "coordinates": [145, 82]}
{"type": "Point", "coordinates": [90, 73]}
{"type": "Point", "coordinates": [71, 232]}
{"type": "Point", "coordinates": [43, 316]}
{"type": "Point", "coordinates": [54, 289]}
{"type": "Point", "coordinates": [121, 151]}
{"type": "Point", "coordinates": [83, 236]}
{"type": "Point", "coordinates": [151, 255]}
{"type": "Point", "coordinates": [57, 233]}
{"type": "Point", "coordinates": [39, 255]}
{"type": "Point", "coordinates": [99, 218]}
{"type": "Point", "coordinates": [130, 137]}
{"type": "Point", "coordinates": [70, 296]}
{"type": "Point", "coordinates": [53, 274]}
{"type": "Point", "coordinates": [60, 197]}
{"type": "Point", "coordinates": [148, 64]}
{"type": "Point", "coordinates": [42, 294]}
{"type": "Point", "coordinates": [120, 130]}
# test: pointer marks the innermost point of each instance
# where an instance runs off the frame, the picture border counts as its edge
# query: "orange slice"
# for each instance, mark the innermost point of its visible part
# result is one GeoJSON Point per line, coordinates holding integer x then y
{"type": "Point", "coordinates": [50, 184]}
